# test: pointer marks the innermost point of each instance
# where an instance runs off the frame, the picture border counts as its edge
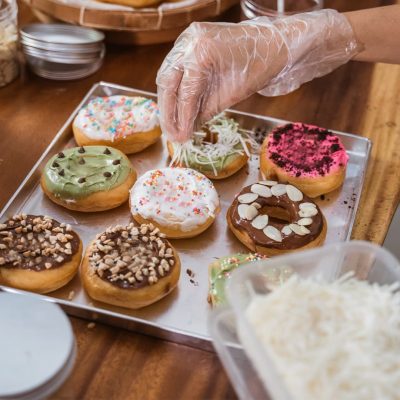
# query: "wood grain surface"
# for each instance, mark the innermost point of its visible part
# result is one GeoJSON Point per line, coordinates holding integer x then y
{"type": "Point", "coordinates": [117, 364]}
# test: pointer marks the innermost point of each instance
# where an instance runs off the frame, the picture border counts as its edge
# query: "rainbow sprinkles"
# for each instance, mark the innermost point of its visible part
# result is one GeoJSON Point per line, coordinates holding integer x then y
{"type": "Point", "coordinates": [115, 117]}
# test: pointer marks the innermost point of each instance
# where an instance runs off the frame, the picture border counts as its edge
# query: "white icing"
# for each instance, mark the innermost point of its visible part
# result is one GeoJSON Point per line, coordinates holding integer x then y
{"type": "Point", "coordinates": [174, 197]}
{"type": "Point", "coordinates": [109, 118]}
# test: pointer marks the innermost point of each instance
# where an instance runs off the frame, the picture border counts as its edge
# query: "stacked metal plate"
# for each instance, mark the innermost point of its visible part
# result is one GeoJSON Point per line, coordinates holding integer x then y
{"type": "Point", "coordinates": [62, 52]}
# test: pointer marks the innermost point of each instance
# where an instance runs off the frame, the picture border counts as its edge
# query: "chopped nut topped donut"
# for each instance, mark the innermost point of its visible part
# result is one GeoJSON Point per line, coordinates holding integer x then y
{"type": "Point", "coordinates": [131, 256]}
{"type": "Point", "coordinates": [37, 253]}
{"type": "Point", "coordinates": [130, 266]}
{"type": "Point", "coordinates": [36, 242]}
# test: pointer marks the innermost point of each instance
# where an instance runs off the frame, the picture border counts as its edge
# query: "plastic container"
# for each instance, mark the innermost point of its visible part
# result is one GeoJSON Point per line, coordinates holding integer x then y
{"type": "Point", "coordinates": [9, 66]}
{"type": "Point", "coordinates": [278, 8]}
{"type": "Point", "coordinates": [367, 261]}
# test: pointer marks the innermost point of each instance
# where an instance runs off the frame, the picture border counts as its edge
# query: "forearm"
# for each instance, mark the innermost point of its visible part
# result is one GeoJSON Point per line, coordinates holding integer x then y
{"type": "Point", "coordinates": [378, 31]}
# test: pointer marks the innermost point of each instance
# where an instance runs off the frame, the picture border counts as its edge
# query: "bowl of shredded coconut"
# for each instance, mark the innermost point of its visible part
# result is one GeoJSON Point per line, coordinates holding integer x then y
{"type": "Point", "coordinates": [331, 330]}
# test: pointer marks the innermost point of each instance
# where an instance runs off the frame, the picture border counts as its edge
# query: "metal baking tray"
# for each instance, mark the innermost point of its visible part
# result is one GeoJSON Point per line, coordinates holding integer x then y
{"type": "Point", "coordinates": [182, 316]}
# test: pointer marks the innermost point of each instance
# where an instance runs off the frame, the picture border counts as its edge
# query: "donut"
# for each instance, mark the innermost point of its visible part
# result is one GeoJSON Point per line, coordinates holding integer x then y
{"type": "Point", "coordinates": [181, 202]}
{"type": "Point", "coordinates": [130, 266]}
{"type": "Point", "coordinates": [272, 218]}
{"type": "Point", "coordinates": [37, 253]}
{"type": "Point", "coordinates": [310, 158]}
{"type": "Point", "coordinates": [130, 124]}
{"type": "Point", "coordinates": [219, 150]}
{"type": "Point", "coordinates": [220, 271]}
{"type": "Point", "coordinates": [91, 178]}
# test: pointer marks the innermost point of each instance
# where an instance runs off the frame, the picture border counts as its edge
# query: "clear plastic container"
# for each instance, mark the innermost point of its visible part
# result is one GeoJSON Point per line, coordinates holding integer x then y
{"type": "Point", "coordinates": [9, 66]}
{"type": "Point", "coordinates": [278, 8]}
{"type": "Point", "coordinates": [367, 261]}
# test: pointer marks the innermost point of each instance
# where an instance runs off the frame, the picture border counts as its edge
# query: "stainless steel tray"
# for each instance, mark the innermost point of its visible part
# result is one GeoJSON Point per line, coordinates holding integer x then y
{"type": "Point", "coordinates": [181, 316]}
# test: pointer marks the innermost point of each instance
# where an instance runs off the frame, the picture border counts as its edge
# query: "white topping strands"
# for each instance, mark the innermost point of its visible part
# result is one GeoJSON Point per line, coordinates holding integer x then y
{"type": "Point", "coordinates": [231, 140]}
{"type": "Point", "coordinates": [131, 255]}
{"type": "Point", "coordinates": [336, 340]}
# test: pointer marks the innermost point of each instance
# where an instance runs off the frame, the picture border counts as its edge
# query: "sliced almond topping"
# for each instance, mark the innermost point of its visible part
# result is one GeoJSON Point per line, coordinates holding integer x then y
{"type": "Point", "coordinates": [268, 183]}
{"type": "Point", "coordinates": [293, 193]}
{"type": "Point", "coordinates": [260, 222]}
{"type": "Point", "coordinates": [247, 198]}
{"type": "Point", "coordinates": [307, 205]}
{"type": "Point", "coordinates": [297, 229]}
{"type": "Point", "coordinates": [304, 221]}
{"type": "Point", "coordinates": [278, 190]}
{"type": "Point", "coordinates": [261, 190]}
{"type": "Point", "coordinates": [273, 233]}
{"type": "Point", "coordinates": [251, 212]}
{"type": "Point", "coordinates": [286, 230]}
{"type": "Point", "coordinates": [308, 212]}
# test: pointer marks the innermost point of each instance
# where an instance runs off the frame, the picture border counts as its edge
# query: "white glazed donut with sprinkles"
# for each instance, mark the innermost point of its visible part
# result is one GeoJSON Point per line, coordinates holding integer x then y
{"type": "Point", "coordinates": [127, 123]}
{"type": "Point", "coordinates": [181, 202]}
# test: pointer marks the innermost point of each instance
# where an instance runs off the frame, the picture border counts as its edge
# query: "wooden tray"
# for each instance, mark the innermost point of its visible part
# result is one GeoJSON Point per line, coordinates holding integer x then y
{"type": "Point", "coordinates": [132, 26]}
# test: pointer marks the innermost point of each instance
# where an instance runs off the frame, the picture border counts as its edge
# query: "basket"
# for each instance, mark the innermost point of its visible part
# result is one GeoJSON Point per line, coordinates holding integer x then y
{"type": "Point", "coordinates": [126, 25]}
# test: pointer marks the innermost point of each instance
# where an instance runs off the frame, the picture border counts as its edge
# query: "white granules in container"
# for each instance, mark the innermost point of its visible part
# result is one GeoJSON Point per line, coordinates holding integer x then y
{"type": "Point", "coordinates": [337, 340]}
{"type": "Point", "coordinates": [8, 42]}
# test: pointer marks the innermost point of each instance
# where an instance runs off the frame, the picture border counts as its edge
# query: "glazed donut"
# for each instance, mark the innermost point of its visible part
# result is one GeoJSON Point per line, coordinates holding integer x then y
{"type": "Point", "coordinates": [272, 218]}
{"type": "Point", "coordinates": [219, 150]}
{"type": "Point", "coordinates": [130, 266]}
{"type": "Point", "coordinates": [220, 271]}
{"type": "Point", "coordinates": [181, 202]}
{"type": "Point", "coordinates": [37, 253]}
{"type": "Point", "coordinates": [92, 178]}
{"type": "Point", "coordinates": [130, 124]}
{"type": "Point", "coordinates": [310, 158]}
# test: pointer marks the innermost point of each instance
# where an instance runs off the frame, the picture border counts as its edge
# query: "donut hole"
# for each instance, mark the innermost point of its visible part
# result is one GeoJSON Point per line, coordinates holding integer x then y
{"type": "Point", "coordinates": [276, 214]}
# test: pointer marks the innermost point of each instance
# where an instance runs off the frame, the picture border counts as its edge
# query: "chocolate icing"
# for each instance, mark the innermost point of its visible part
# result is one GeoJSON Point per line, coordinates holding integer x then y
{"type": "Point", "coordinates": [292, 241]}
{"type": "Point", "coordinates": [32, 242]}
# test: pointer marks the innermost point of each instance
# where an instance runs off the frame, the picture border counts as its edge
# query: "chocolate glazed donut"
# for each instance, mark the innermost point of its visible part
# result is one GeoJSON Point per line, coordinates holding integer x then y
{"type": "Point", "coordinates": [272, 218]}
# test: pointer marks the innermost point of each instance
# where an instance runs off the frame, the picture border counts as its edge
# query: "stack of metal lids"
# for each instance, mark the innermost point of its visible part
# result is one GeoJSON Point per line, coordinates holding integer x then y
{"type": "Point", "coordinates": [62, 52]}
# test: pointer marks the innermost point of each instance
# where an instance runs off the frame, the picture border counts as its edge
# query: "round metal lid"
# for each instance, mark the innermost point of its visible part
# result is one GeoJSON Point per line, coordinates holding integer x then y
{"type": "Point", "coordinates": [62, 34]}
{"type": "Point", "coordinates": [38, 347]}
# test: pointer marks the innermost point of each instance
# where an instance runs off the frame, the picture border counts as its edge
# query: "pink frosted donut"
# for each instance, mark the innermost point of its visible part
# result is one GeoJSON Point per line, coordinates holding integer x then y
{"type": "Point", "coordinates": [309, 157]}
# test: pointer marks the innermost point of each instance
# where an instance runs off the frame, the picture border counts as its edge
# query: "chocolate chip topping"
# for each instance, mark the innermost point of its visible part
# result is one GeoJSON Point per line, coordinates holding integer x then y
{"type": "Point", "coordinates": [131, 257]}
{"type": "Point", "coordinates": [81, 180]}
{"type": "Point", "coordinates": [61, 154]}
{"type": "Point", "coordinates": [81, 161]}
{"type": "Point", "coordinates": [81, 150]}
{"type": "Point", "coordinates": [36, 242]}
{"type": "Point", "coordinates": [107, 151]}
{"type": "Point", "coordinates": [107, 174]}
{"type": "Point", "coordinates": [61, 173]}
{"type": "Point", "coordinates": [116, 162]}
{"type": "Point", "coordinates": [56, 164]}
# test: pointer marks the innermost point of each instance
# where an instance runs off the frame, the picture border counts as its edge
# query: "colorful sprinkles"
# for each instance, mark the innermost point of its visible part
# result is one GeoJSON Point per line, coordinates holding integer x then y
{"type": "Point", "coordinates": [115, 117]}
{"type": "Point", "coordinates": [173, 196]}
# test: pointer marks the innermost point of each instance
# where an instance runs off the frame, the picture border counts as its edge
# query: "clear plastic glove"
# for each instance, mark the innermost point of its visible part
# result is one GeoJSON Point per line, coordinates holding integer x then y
{"type": "Point", "coordinates": [215, 65]}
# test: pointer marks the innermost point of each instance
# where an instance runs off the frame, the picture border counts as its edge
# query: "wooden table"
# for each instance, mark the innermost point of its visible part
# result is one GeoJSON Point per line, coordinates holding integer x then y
{"type": "Point", "coordinates": [117, 364]}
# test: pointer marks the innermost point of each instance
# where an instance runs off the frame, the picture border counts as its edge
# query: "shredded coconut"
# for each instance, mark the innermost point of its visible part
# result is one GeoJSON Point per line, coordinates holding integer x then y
{"type": "Point", "coordinates": [337, 340]}
{"type": "Point", "coordinates": [231, 139]}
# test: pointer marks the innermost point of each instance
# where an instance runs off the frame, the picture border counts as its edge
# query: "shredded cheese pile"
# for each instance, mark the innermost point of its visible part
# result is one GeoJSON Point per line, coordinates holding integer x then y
{"type": "Point", "coordinates": [332, 341]}
{"type": "Point", "coordinates": [229, 135]}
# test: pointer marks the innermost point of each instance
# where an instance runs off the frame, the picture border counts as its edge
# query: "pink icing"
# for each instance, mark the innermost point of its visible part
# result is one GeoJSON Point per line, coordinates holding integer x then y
{"type": "Point", "coordinates": [306, 150]}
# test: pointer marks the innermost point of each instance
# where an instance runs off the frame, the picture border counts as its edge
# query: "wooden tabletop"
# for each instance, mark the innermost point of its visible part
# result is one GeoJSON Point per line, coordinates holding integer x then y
{"type": "Point", "coordinates": [117, 364]}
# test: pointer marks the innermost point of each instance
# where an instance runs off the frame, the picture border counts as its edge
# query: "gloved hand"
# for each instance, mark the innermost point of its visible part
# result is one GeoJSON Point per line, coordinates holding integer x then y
{"type": "Point", "coordinates": [215, 65]}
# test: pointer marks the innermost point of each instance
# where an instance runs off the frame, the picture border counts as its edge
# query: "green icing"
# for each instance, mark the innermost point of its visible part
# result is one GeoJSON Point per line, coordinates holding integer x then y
{"type": "Point", "coordinates": [221, 270]}
{"type": "Point", "coordinates": [102, 169]}
{"type": "Point", "coordinates": [219, 163]}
